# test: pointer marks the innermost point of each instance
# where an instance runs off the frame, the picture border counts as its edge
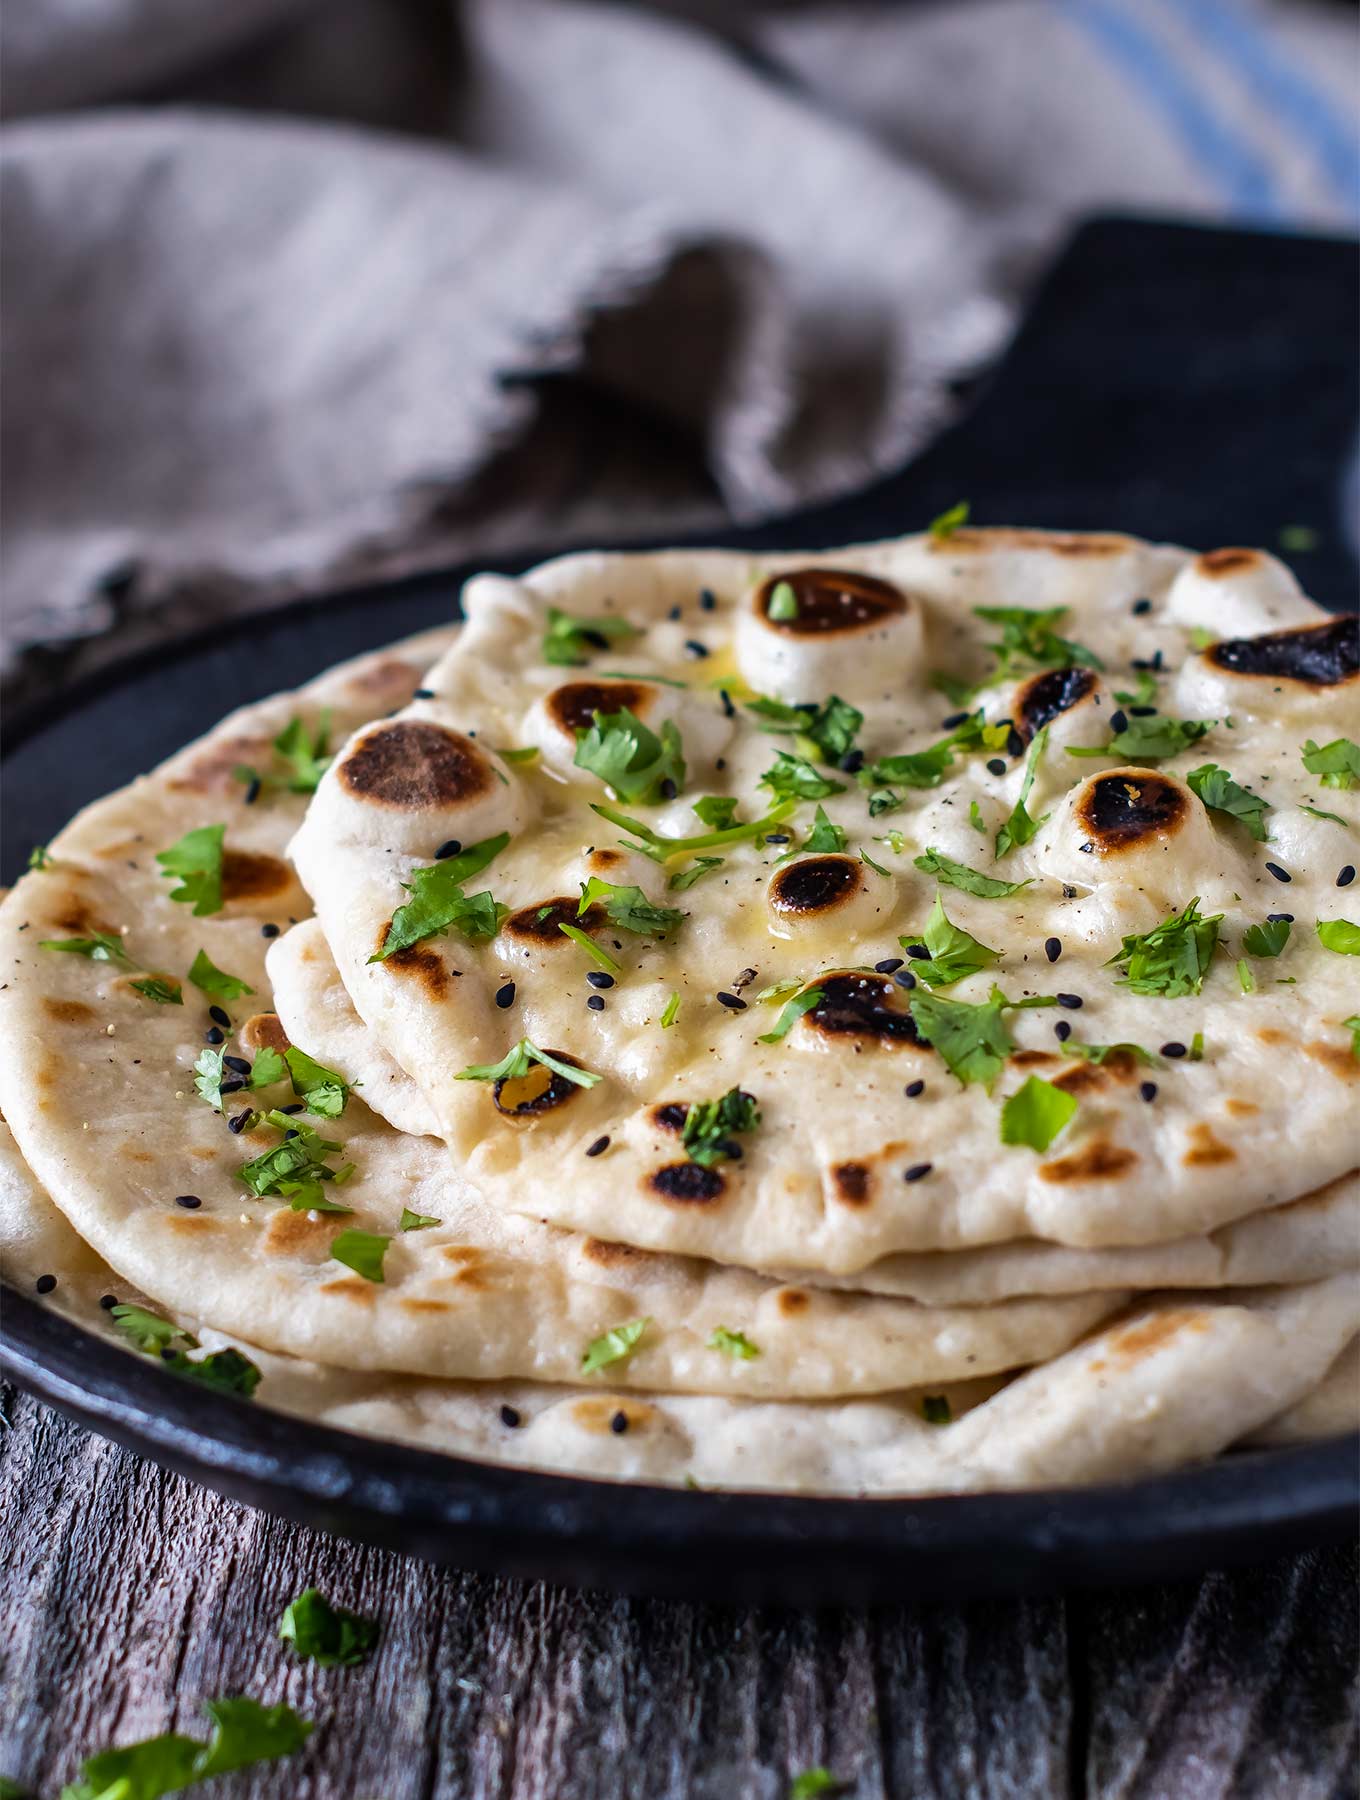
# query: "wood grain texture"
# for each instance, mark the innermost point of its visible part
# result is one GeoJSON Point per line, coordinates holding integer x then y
{"type": "Point", "coordinates": [129, 1595]}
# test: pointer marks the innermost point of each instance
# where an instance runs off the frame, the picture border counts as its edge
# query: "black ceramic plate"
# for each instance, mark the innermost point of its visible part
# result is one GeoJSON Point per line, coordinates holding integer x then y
{"type": "Point", "coordinates": [1177, 383]}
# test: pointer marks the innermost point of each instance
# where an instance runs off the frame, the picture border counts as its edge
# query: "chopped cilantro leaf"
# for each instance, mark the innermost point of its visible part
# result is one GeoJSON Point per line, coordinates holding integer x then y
{"type": "Point", "coordinates": [783, 602]}
{"type": "Point", "coordinates": [794, 778]}
{"type": "Point", "coordinates": [439, 904]}
{"type": "Point", "coordinates": [955, 691]}
{"type": "Point", "coordinates": [304, 754]}
{"type": "Point", "coordinates": [945, 524]}
{"type": "Point", "coordinates": [630, 758]}
{"type": "Point", "coordinates": [1246, 980]}
{"type": "Point", "coordinates": [883, 800]}
{"type": "Point", "coordinates": [826, 732]}
{"type": "Point", "coordinates": [1353, 1026]}
{"type": "Point", "coordinates": [975, 818]}
{"type": "Point", "coordinates": [686, 878]}
{"type": "Point", "coordinates": [1338, 763]}
{"type": "Point", "coordinates": [414, 1221]}
{"type": "Point", "coordinates": [39, 857]}
{"type": "Point", "coordinates": [790, 1014]}
{"type": "Point", "coordinates": [1217, 789]}
{"type": "Point", "coordinates": [670, 1012]}
{"type": "Point", "coordinates": [629, 909]}
{"type": "Point", "coordinates": [568, 641]}
{"type": "Point", "coordinates": [970, 881]}
{"type": "Point", "coordinates": [528, 754]}
{"type": "Point", "coordinates": [1149, 740]}
{"type": "Point", "coordinates": [267, 1068]}
{"type": "Point", "coordinates": [1267, 938]}
{"type": "Point", "coordinates": [913, 769]}
{"type": "Point", "coordinates": [1341, 936]}
{"type": "Point", "coordinates": [1173, 958]}
{"type": "Point", "coordinates": [209, 1076]}
{"type": "Point", "coordinates": [327, 1634]}
{"type": "Point", "coordinates": [325, 1092]}
{"type": "Point", "coordinates": [601, 958]}
{"type": "Point", "coordinates": [243, 1732]}
{"type": "Point", "coordinates": [717, 811]}
{"type": "Point", "coordinates": [99, 948]}
{"type": "Point", "coordinates": [735, 1344]}
{"type": "Point", "coordinates": [1019, 828]}
{"type": "Point", "coordinates": [972, 1040]}
{"type": "Point", "coordinates": [1100, 1053]}
{"type": "Point", "coordinates": [1029, 641]}
{"type": "Point", "coordinates": [362, 1251]}
{"type": "Point", "coordinates": [1196, 1051]}
{"type": "Point", "coordinates": [1318, 813]}
{"type": "Point", "coordinates": [1145, 694]}
{"type": "Point", "coordinates": [663, 849]}
{"type": "Point", "coordinates": [612, 1346]}
{"type": "Point", "coordinates": [812, 1783]}
{"type": "Point", "coordinates": [209, 979]}
{"type": "Point", "coordinates": [161, 990]}
{"type": "Point", "coordinates": [707, 1137]}
{"type": "Point", "coordinates": [196, 861]}
{"type": "Point", "coordinates": [877, 867]}
{"type": "Point", "coordinates": [515, 1064]}
{"type": "Point", "coordinates": [225, 1371]}
{"type": "Point", "coordinates": [1036, 1114]}
{"type": "Point", "coordinates": [953, 953]}
{"type": "Point", "coordinates": [300, 1157]}
{"type": "Point", "coordinates": [936, 1410]}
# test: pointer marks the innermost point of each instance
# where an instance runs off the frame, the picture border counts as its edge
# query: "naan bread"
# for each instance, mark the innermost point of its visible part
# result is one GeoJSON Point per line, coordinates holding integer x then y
{"type": "Point", "coordinates": [1173, 1382]}
{"type": "Point", "coordinates": [1265, 1116]}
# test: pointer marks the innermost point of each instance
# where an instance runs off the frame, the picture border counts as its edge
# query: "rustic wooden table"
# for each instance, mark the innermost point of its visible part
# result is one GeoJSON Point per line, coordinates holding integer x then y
{"type": "Point", "coordinates": [130, 1595]}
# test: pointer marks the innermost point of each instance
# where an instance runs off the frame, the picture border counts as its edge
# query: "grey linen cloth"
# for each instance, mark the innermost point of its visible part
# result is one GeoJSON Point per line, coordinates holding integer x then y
{"type": "Point", "coordinates": [289, 289]}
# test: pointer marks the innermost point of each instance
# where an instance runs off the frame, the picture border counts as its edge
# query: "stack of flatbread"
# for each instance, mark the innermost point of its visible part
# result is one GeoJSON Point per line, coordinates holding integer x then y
{"type": "Point", "coordinates": [877, 1022]}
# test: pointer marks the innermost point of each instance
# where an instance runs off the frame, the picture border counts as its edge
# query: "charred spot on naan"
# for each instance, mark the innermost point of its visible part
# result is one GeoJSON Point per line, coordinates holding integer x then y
{"type": "Point", "coordinates": [815, 886]}
{"type": "Point", "coordinates": [541, 924]}
{"type": "Point", "coordinates": [1126, 807]}
{"type": "Point", "coordinates": [831, 602]}
{"type": "Point", "coordinates": [1144, 1336]}
{"type": "Point", "coordinates": [1319, 656]}
{"type": "Point", "coordinates": [1119, 1067]}
{"type": "Point", "coordinates": [1230, 561]}
{"type": "Point", "coordinates": [1033, 1059]}
{"type": "Point", "coordinates": [1338, 1059]}
{"type": "Point", "coordinates": [413, 766]}
{"type": "Point", "coordinates": [248, 875]}
{"type": "Point", "coordinates": [973, 538]}
{"type": "Point", "coordinates": [599, 1413]}
{"type": "Point", "coordinates": [608, 1255]}
{"type": "Point", "coordinates": [418, 962]}
{"type": "Point", "coordinates": [852, 1183]}
{"type": "Point", "coordinates": [214, 769]}
{"type": "Point", "coordinates": [670, 1116]}
{"type": "Point", "coordinates": [792, 1301]}
{"type": "Point", "coordinates": [573, 706]}
{"type": "Point", "coordinates": [605, 862]}
{"type": "Point", "coordinates": [688, 1183]}
{"type": "Point", "coordinates": [862, 1007]}
{"type": "Point", "coordinates": [351, 1287]}
{"type": "Point", "coordinates": [1100, 1160]}
{"type": "Point", "coordinates": [1204, 1150]}
{"type": "Point", "coordinates": [68, 1012]}
{"type": "Point", "coordinates": [1041, 698]}
{"type": "Point", "coordinates": [264, 1031]}
{"type": "Point", "coordinates": [540, 1090]}
{"type": "Point", "coordinates": [288, 1232]}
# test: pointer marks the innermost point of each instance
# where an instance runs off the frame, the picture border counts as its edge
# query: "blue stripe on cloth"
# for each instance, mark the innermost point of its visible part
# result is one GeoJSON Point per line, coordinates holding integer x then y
{"type": "Point", "coordinates": [1244, 177]}
{"type": "Point", "coordinates": [1229, 29]}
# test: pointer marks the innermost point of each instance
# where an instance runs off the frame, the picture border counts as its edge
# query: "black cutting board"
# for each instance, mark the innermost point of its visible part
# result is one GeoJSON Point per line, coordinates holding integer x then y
{"type": "Point", "coordinates": [1176, 382]}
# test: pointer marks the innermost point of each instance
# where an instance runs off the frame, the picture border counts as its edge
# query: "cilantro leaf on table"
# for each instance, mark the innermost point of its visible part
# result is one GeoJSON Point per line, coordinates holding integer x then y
{"type": "Point", "coordinates": [325, 1634]}
{"type": "Point", "coordinates": [243, 1732]}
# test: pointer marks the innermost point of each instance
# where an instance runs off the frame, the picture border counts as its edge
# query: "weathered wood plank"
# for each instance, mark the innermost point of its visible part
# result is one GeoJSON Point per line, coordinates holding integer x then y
{"type": "Point", "coordinates": [130, 1594]}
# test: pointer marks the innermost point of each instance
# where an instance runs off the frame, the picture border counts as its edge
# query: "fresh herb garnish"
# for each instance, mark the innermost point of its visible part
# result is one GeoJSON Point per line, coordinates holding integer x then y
{"type": "Point", "coordinates": [1036, 1114]}
{"type": "Point", "coordinates": [913, 769]}
{"type": "Point", "coordinates": [225, 1371]}
{"type": "Point", "coordinates": [99, 948]}
{"type": "Point", "coordinates": [268, 1068]}
{"type": "Point", "coordinates": [1019, 828]}
{"type": "Point", "coordinates": [527, 754]}
{"type": "Point", "coordinates": [299, 1162]}
{"type": "Point", "coordinates": [439, 904]}
{"type": "Point", "coordinates": [40, 857]}
{"type": "Point", "coordinates": [362, 1251]}
{"type": "Point", "coordinates": [707, 1137]}
{"type": "Point", "coordinates": [601, 958]}
{"type": "Point", "coordinates": [1340, 936]}
{"type": "Point", "coordinates": [970, 881]}
{"type": "Point", "coordinates": [1245, 979]}
{"type": "Point", "coordinates": [1173, 958]}
{"type": "Point", "coordinates": [1101, 1053]}
{"type": "Point", "coordinates": [663, 849]}
{"type": "Point", "coordinates": [1318, 813]}
{"type": "Point", "coordinates": [717, 811]}
{"type": "Point", "coordinates": [1353, 1026]}
{"type": "Point", "coordinates": [569, 640]}
{"type": "Point", "coordinates": [1217, 789]}
{"type": "Point", "coordinates": [302, 751]}
{"type": "Point", "coordinates": [936, 1410]}
{"type": "Point", "coordinates": [826, 733]}
{"type": "Point", "coordinates": [629, 909]}
{"type": "Point", "coordinates": [1028, 639]}
{"type": "Point", "coordinates": [516, 1063]}
{"type": "Point", "coordinates": [196, 861]}
{"type": "Point", "coordinates": [735, 1344]}
{"type": "Point", "coordinates": [671, 1011]}
{"type": "Point", "coordinates": [1149, 740]}
{"type": "Point", "coordinates": [1267, 938]}
{"type": "Point", "coordinates": [783, 602]}
{"type": "Point", "coordinates": [414, 1221]}
{"type": "Point", "coordinates": [686, 878]}
{"type": "Point", "coordinates": [1338, 763]}
{"type": "Point", "coordinates": [794, 778]}
{"type": "Point", "coordinates": [327, 1634]}
{"type": "Point", "coordinates": [825, 839]}
{"type": "Point", "coordinates": [243, 1732]}
{"type": "Point", "coordinates": [325, 1092]}
{"type": "Point", "coordinates": [158, 988]}
{"type": "Point", "coordinates": [972, 1040]}
{"type": "Point", "coordinates": [209, 979]}
{"type": "Point", "coordinates": [1145, 694]}
{"type": "Point", "coordinates": [612, 1346]}
{"type": "Point", "coordinates": [631, 760]}
{"type": "Point", "coordinates": [945, 524]}
{"type": "Point", "coordinates": [975, 818]}
{"type": "Point", "coordinates": [791, 1014]}
{"type": "Point", "coordinates": [954, 954]}
{"type": "Point", "coordinates": [812, 1783]}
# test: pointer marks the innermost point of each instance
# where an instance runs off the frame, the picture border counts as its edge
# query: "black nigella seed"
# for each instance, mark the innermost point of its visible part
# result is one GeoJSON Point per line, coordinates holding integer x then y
{"type": "Point", "coordinates": [919, 951]}
{"type": "Point", "coordinates": [252, 793]}
{"type": "Point", "coordinates": [1141, 608]}
{"type": "Point", "coordinates": [852, 762]}
{"type": "Point", "coordinates": [289, 1134]}
{"type": "Point", "coordinates": [445, 851]}
{"type": "Point", "coordinates": [1142, 712]}
{"type": "Point", "coordinates": [668, 789]}
{"type": "Point", "coordinates": [776, 837]}
{"type": "Point", "coordinates": [1347, 876]}
{"type": "Point", "coordinates": [917, 1171]}
{"type": "Point", "coordinates": [599, 1147]}
{"type": "Point", "coordinates": [296, 1107]}
{"type": "Point", "coordinates": [233, 1086]}
{"type": "Point", "coordinates": [1071, 1001]}
{"type": "Point", "coordinates": [905, 979]}
{"type": "Point", "coordinates": [1280, 918]}
{"type": "Point", "coordinates": [1015, 744]}
{"type": "Point", "coordinates": [214, 1036]}
{"type": "Point", "coordinates": [953, 720]}
{"type": "Point", "coordinates": [1062, 1031]}
{"type": "Point", "coordinates": [729, 711]}
{"type": "Point", "coordinates": [237, 1122]}
{"type": "Point", "coordinates": [190, 1202]}
{"type": "Point", "coordinates": [674, 613]}
{"type": "Point", "coordinates": [1173, 1050]}
{"type": "Point", "coordinates": [619, 1424]}
{"type": "Point", "coordinates": [996, 766]}
{"type": "Point", "coordinates": [913, 1088]}
{"type": "Point", "coordinates": [423, 694]}
{"type": "Point", "coordinates": [598, 978]}
{"type": "Point", "coordinates": [695, 648]}
{"type": "Point", "coordinates": [108, 1301]}
{"type": "Point", "coordinates": [505, 995]}
{"type": "Point", "coordinates": [218, 1017]}
{"type": "Point", "coordinates": [889, 966]}
{"type": "Point", "coordinates": [169, 1355]}
{"type": "Point", "coordinates": [707, 599]}
{"type": "Point", "coordinates": [269, 931]}
{"type": "Point", "coordinates": [509, 1417]}
{"type": "Point", "coordinates": [1279, 873]}
{"type": "Point", "coordinates": [1148, 1090]}
{"type": "Point", "coordinates": [1053, 948]}
{"type": "Point", "coordinates": [596, 1003]}
{"type": "Point", "coordinates": [45, 1283]}
{"type": "Point", "coordinates": [1119, 721]}
{"type": "Point", "coordinates": [1156, 662]}
{"type": "Point", "coordinates": [733, 1002]}
{"type": "Point", "coordinates": [239, 1063]}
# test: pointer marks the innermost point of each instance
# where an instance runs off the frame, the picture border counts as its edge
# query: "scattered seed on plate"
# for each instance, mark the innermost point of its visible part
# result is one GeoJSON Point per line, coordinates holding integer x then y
{"type": "Point", "coordinates": [269, 931]}
{"type": "Point", "coordinates": [889, 966]}
{"type": "Point", "coordinates": [1119, 721]}
{"type": "Point", "coordinates": [214, 1036]}
{"type": "Point", "coordinates": [619, 1424]}
{"type": "Point", "coordinates": [696, 649]}
{"type": "Point", "coordinates": [905, 979]}
{"type": "Point", "coordinates": [599, 979]}
{"type": "Point", "coordinates": [1141, 608]}
{"type": "Point", "coordinates": [996, 766]}
{"type": "Point", "coordinates": [239, 1063]}
{"type": "Point", "coordinates": [108, 1301]}
{"type": "Point", "coordinates": [707, 599]}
